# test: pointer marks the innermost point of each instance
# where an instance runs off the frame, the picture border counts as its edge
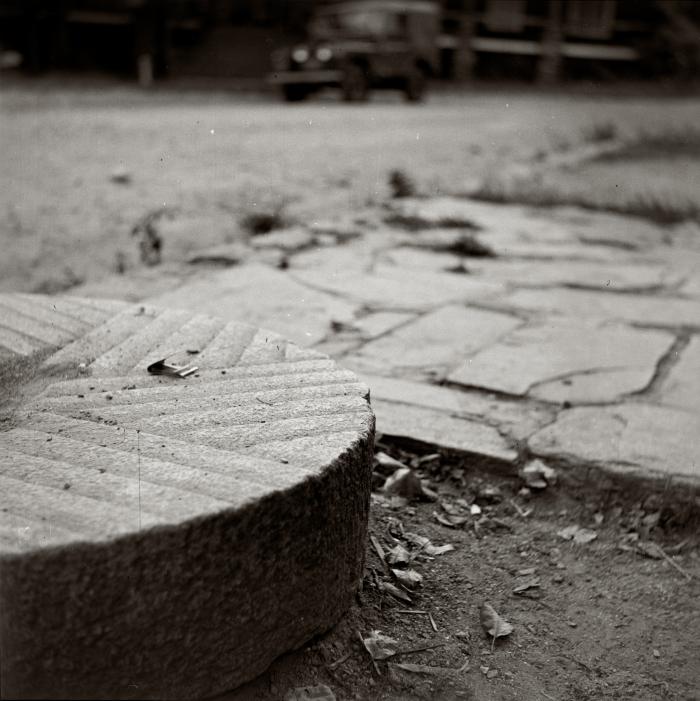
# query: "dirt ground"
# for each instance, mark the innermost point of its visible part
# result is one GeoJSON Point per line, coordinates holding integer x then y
{"type": "Point", "coordinates": [603, 620]}
{"type": "Point", "coordinates": [610, 618]}
{"type": "Point", "coordinates": [81, 167]}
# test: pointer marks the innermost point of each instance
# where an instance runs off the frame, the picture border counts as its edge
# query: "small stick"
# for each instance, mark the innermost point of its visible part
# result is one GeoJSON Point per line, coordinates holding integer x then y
{"type": "Point", "coordinates": [519, 509]}
{"type": "Point", "coordinates": [411, 611]}
{"type": "Point", "coordinates": [464, 666]}
{"type": "Point", "coordinates": [419, 649]}
{"type": "Point", "coordinates": [337, 663]}
{"type": "Point", "coordinates": [432, 622]}
{"type": "Point", "coordinates": [364, 647]}
{"type": "Point", "coordinates": [672, 562]}
{"type": "Point", "coordinates": [378, 548]}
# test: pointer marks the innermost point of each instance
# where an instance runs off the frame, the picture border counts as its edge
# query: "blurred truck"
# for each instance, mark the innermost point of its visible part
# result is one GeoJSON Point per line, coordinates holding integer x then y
{"type": "Point", "coordinates": [362, 45]}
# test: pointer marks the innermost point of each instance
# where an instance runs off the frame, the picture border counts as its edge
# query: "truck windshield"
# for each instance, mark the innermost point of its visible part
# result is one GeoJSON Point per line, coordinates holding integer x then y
{"type": "Point", "coordinates": [358, 23]}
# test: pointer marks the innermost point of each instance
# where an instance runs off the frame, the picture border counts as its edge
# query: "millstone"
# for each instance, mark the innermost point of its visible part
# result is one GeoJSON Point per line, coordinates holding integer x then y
{"type": "Point", "coordinates": [166, 537]}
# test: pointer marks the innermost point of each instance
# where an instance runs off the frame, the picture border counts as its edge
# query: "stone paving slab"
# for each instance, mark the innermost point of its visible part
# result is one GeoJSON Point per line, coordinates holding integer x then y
{"type": "Point", "coordinates": [614, 277]}
{"type": "Point", "coordinates": [568, 360]}
{"type": "Point", "coordinates": [263, 296]}
{"type": "Point", "coordinates": [516, 419]}
{"type": "Point", "coordinates": [437, 341]}
{"type": "Point", "coordinates": [191, 530]}
{"type": "Point", "coordinates": [643, 309]}
{"type": "Point", "coordinates": [484, 443]}
{"type": "Point", "coordinates": [682, 386]}
{"type": "Point", "coordinates": [389, 288]}
{"type": "Point", "coordinates": [606, 311]}
{"type": "Point", "coordinates": [634, 439]}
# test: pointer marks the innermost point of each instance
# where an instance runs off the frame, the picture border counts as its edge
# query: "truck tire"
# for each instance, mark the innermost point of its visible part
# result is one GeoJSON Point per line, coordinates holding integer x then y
{"type": "Point", "coordinates": [295, 93]}
{"type": "Point", "coordinates": [355, 84]}
{"type": "Point", "coordinates": [415, 84]}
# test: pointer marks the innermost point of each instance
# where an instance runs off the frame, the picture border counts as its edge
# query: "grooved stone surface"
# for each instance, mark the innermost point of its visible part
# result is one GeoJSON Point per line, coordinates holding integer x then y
{"type": "Point", "coordinates": [164, 537]}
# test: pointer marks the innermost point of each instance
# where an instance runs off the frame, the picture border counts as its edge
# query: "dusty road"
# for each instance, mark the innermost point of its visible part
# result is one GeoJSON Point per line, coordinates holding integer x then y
{"type": "Point", "coordinates": [211, 158]}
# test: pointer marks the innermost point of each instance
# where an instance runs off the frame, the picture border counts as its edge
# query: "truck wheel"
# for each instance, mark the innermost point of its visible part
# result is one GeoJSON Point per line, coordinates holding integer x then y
{"type": "Point", "coordinates": [354, 85]}
{"type": "Point", "coordinates": [414, 86]}
{"type": "Point", "coordinates": [294, 93]}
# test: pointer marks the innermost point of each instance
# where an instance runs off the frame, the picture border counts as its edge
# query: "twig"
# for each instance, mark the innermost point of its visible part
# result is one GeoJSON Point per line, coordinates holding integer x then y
{"type": "Point", "coordinates": [379, 550]}
{"type": "Point", "coordinates": [337, 663]}
{"type": "Point", "coordinates": [547, 696]}
{"type": "Point", "coordinates": [521, 512]}
{"type": "Point", "coordinates": [465, 666]}
{"type": "Point", "coordinates": [432, 622]}
{"type": "Point", "coordinates": [671, 561]}
{"type": "Point", "coordinates": [364, 647]}
{"type": "Point", "coordinates": [423, 613]}
{"type": "Point", "coordinates": [419, 649]}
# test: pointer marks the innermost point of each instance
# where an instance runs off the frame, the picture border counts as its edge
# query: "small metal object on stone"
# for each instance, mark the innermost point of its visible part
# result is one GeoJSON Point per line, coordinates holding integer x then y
{"type": "Point", "coordinates": [160, 367]}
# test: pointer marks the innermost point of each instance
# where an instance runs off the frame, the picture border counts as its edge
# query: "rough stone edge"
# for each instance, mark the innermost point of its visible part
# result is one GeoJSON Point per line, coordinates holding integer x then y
{"type": "Point", "coordinates": [209, 603]}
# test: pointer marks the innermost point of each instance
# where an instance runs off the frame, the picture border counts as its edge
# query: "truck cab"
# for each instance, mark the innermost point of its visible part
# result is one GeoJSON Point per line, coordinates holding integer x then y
{"type": "Point", "coordinates": [362, 45]}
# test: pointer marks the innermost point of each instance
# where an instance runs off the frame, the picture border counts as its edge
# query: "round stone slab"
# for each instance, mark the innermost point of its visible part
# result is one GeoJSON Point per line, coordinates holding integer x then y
{"type": "Point", "coordinates": [166, 537]}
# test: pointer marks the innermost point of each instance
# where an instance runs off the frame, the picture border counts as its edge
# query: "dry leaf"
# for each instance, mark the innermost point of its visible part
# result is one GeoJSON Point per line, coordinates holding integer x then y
{"type": "Point", "coordinates": [450, 509]}
{"type": "Point", "coordinates": [537, 475]}
{"type": "Point", "coordinates": [579, 535]}
{"type": "Point", "coordinates": [649, 549]}
{"type": "Point", "coordinates": [398, 555]}
{"type": "Point", "coordinates": [379, 646]}
{"type": "Point", "coordinates": [425, 545]}
{"type": "Point", "coordinates": [450, 521]}
{"type": "Point", "coordinates": [419, 668]}
{"type": "Point", "coordinates": [386, 463]}
{"type": "Point", "coordinates": [395, 591]}
{"type": "Point", "coordinates": [439, 549]}
{"type": "Point", "coordinates": [404, 483]}
{"type": "Point", "coordinates": [408, 578]}
{"type": "Point", "coordinates": [493, 624]}
{"type": "Point", "coordinates": [584, 536]}
{"type": "Point", "coordinates": [526, 584]}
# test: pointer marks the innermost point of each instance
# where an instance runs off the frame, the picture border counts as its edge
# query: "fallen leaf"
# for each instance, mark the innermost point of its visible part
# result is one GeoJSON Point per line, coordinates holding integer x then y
{"type": "Point", "coordinates": [527, 571]}
{"type": "Point", "coordinates": [425, 546]}
{"type": "Point", "coordinates": [387, 464]}
{"type": "Point", "coordinates": [579, 535]}
{"type": "Point", "coordinates": [395, 591]}
{"type": "Point", "coordinates": [584, 536]}
{"type": "Point", "coordinates": [404, 483]}
{"type": "Point", "coordinates": [450, 509]}
{"type": "Point", "coordinates": [419, 668]}
{"type": "Point", "coordinates": [439, 549]}
{"type": "Point", "coordinates": [493, 624]}
{"type": "Point", "coordinates": [529, 583]}
{"type": "Point", "coordinates": [490, 493]}
{"type": "Point", "coordinates": [398, 555]}
{"type": "Point", "coordinates": [649, 549]}
{"type": "Point", "coordinates": [537, 475]}
{"type": "Point", "coordinates": [492, 673]}
{"type": "Point", "coordinates": [408, 578]}
{"type": "Point", "coordinates": [380, 647]}
{"type": "Point", "coordinates": [450, 521]}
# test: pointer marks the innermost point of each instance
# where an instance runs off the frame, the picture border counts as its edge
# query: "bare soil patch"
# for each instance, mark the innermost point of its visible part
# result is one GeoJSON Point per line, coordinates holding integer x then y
{"type": "Point", "coordinates": [613, 617]}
